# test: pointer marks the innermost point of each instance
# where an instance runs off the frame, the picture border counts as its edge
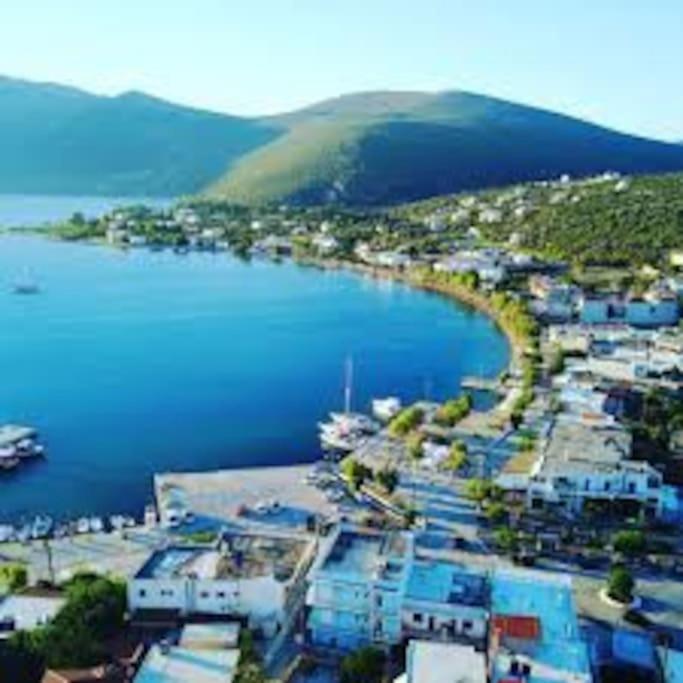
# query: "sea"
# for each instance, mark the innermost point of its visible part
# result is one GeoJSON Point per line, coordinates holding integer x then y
{"type": "Point", "coordinates": [136, 362]}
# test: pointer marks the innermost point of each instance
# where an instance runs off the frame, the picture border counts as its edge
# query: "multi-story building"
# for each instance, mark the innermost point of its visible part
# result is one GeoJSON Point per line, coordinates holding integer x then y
{"type": "Point", "coordinates": [244, 575]}
{"type": "Point", "coordinates": [368, 586]}
{"type": "Point", "coordinates": [357, 583]}
{"type": "Point", "coordinates": [580, 462]}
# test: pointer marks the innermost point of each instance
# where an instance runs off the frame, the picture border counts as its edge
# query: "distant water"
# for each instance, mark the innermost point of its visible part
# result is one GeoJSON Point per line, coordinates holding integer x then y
{"type": "Point", "coordinates": [30, 211]}
{"type": "Point", "coordinates": [137, 362]}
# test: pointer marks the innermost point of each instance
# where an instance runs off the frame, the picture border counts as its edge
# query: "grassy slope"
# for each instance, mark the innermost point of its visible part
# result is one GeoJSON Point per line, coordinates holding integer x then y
{"type": "Point", "coordinates": [382, 148]}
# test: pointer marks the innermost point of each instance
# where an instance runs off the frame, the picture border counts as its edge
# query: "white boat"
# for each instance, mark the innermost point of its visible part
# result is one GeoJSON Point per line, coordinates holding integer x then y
{"type": "Point", "coordinates": [8, 458]}
{"type": "Point", "coordinates": [25, 285]}
{"type": "Point", "coordinates": [82, 525]}
{"type": "Point", "coordinates": [6, 533]}
{"type": "Point", "coordinates": [96, 525]}
{"type": "Point", "coordinates": [386, 409]}
{"type": "Point", "coordinates": [117, 522]}
{"type": "Point", "coordinates": [41, 528]}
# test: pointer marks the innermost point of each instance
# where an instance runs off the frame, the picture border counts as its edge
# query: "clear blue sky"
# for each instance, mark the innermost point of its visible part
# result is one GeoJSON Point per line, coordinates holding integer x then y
{"type": "Point", "coordinates": [617, 62]}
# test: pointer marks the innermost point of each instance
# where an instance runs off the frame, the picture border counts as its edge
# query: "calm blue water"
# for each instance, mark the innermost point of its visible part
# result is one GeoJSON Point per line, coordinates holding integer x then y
{"type": "Point", "coordinates": [20, 210]}
{"type": "Point", "coordinates": [137, 362]}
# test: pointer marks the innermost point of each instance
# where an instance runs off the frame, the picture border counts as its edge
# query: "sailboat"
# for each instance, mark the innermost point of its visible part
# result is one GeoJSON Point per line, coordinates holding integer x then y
{"type": "Point", "coordinates": [346, 431]}
{"type": "Point", "coordinates": [26, 285]}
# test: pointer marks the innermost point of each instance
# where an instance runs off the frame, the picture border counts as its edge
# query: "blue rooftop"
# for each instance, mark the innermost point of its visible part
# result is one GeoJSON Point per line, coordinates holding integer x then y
{"type": "Point", "coordinates": [444, 582]}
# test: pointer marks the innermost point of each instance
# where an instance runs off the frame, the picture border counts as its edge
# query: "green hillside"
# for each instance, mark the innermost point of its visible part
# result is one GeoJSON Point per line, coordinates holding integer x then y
{"type": "Point", "coordinates": [61, 140]}
{"type": "Point", "coordinates": [618, 221]}
{"type": "Point", "coordinates": [367, 149]}
{"type": "Point", "coordinates": [383, 148]}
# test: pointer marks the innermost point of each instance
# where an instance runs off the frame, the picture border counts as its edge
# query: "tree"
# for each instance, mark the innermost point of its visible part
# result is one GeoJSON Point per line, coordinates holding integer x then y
{"type": "Point", "coordinates": [496, 512]}
{"type": "Point", "coordinates": [406, 421]}
{"type": "Point", "coordinates": [414, 443]}
{"type": "Point", "coordinates": [480, 490]}
{"type": "Point", "coordinates": [505, 538]}
{"type": "Point", "coordinates": [363, 666]}
{"type": "Point", "coordinates": [630, 542]}
{"type": "Point", "coordinates": [451, 412]}
{"type": "Point", "coordinates": [388, 479]}
{"type": "Point", "coordinates": [620, 584]}
{"type": "Point", "coordinates": [19, 660]}
{"type": "Point", "coordinates": [13, 576]}
{"type": "Point", "coordinates": [355, 472]}
{"type": "Point", "coordinates": [457, 456]}
{"type": "Point", "coordinates": [557, 362]}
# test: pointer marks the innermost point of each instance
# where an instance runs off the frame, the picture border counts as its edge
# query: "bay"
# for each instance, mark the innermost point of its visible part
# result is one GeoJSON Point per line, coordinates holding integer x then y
{"type": "Point", "coordinates": [135, 362]}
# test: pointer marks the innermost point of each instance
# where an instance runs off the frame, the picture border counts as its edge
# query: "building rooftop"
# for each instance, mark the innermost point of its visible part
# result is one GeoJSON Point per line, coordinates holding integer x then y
{"type": "Point", "coordinates": [238, 556]}
{"type": "Point", "coordinates": [367, 554]}
{"type": "Point", "coordinates": [210, 636]}
{"type": "Point", "coordinates": [182, 665]}
{"type": "Point", "coordinates": [430, 662]}
{"type": "Point", "coordinates": [23, 612]}
{"type": "Point", "coordinates": [554, 649]}
{"type": "Point", "coordinates": [575, 447]}
{"type": "Point", "coordinates": [444, 582]}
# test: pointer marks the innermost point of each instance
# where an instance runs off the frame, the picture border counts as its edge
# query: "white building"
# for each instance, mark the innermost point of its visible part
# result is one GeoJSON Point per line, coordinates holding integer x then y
{"type": "Point", "coordinates": [579, 462]}
{"type": "Point", "coordinates": [368, 586]}
{"type": "Point", "coordinates": [205, 654]}
{"type": "Point", "coordinates": [324, 244]}
{"type": "Point", "coordinates": [248, 576]}
{"type": "Point", "coordinates": [26, 612]}
{"type": "Point", "coordinates": [430, 662]}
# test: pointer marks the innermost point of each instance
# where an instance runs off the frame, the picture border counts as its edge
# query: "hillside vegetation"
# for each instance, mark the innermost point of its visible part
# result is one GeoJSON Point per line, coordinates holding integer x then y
{"type": "Point", "coordinates": [384, 148]}
{"type": "Point", "coordinates": [618, 221]}
{"type": "Point", "coordinates": [58, 140]}
{"type": "Point", "coordinates": [367, 149]}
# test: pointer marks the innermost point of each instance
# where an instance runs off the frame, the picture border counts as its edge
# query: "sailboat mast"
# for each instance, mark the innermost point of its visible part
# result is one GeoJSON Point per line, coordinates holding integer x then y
{"type": "Point", "coordinates": [348, 385]}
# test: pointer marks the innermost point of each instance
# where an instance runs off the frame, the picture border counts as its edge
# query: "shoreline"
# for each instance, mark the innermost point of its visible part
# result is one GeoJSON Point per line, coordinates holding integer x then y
{"type": "Point", "coordinates": [461, 295]}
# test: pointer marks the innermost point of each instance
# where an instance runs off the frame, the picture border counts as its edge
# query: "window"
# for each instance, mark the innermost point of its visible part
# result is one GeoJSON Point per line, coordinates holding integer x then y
{"type": "Point", "coordinates": [606, 486]}
{"type": "Point", "coordinates": [220, 594]}
{"type": "Point", "coordinates": [165, 593]}
{"type": "Point", "coordinates": [142, 593]}
{"type": "Point", "coordinates": [631, 487]}
{"type": "Point", "coordinates": [417, 617]}
{"type": "Point", "coordinates": [204, 594]}
{"type": "Point", "coordinates": [467, 625]}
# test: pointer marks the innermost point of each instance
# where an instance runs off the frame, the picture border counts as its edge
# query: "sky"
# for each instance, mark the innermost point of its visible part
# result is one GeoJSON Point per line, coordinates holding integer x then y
{"type": "Point", "coordinates": [615, 62]}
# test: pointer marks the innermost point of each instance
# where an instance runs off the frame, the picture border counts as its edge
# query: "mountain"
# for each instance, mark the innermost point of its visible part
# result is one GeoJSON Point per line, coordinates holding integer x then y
{"type": "Point", "coordinates": [386, 147]}
{"type": "Point", "coordinates": [61, 140]}
{"type": "Point", "coordinates": [363, 149]}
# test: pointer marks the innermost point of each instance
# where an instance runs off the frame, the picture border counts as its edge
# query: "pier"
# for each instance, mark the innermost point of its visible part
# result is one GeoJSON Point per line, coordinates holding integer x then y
{"type": "Point", "coordinates": [482, 384]}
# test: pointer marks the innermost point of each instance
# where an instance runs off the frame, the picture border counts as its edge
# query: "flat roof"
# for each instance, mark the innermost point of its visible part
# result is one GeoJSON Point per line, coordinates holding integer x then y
{"type": "Point", "coordinates": [211, 635]}
{"type": "Point", "coordinates": [559, 653]}
{"type": "Point", "coordinates": [574, 447]}
{"type": "Point", "coordinates": [430, 662]}
{"type": "Point", "coordinates": [445, 582]}
{"type": "Point", "coordinates": [182, 665]}
{"type": "Point", "coordinates": [239, 556]}
{"type": "Point", "coordinates": [28, 612]}
{"type": "Point", "coordinates": [363, 553]}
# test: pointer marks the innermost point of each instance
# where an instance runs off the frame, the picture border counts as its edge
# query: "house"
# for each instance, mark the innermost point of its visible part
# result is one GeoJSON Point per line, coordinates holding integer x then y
{"type": "Point", "coordinates": [676, 258]}
{"type": "Point", "coordinates": [356, 588]}
{"type": "Point", "coordinates": [654, 309]}
{"type": "Point", "coordinates": [243, 575]}
{"type": "Point", "coordinates": [429, 662]}
{"type": "Point", "coordinates": [368, 586]}
{"type": "Point", "coordinates": [324, 244]}
{"type": "Point", "coordinates": [580, 462]}
{"type": "Point", "coordinates": [204, 654]}
{"type": "Point", "coordinates": [443, 600]}
{"type": "Point", "coordinates": [26, 612]}
{"type": "Point", "coordinates": [534, 633]}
